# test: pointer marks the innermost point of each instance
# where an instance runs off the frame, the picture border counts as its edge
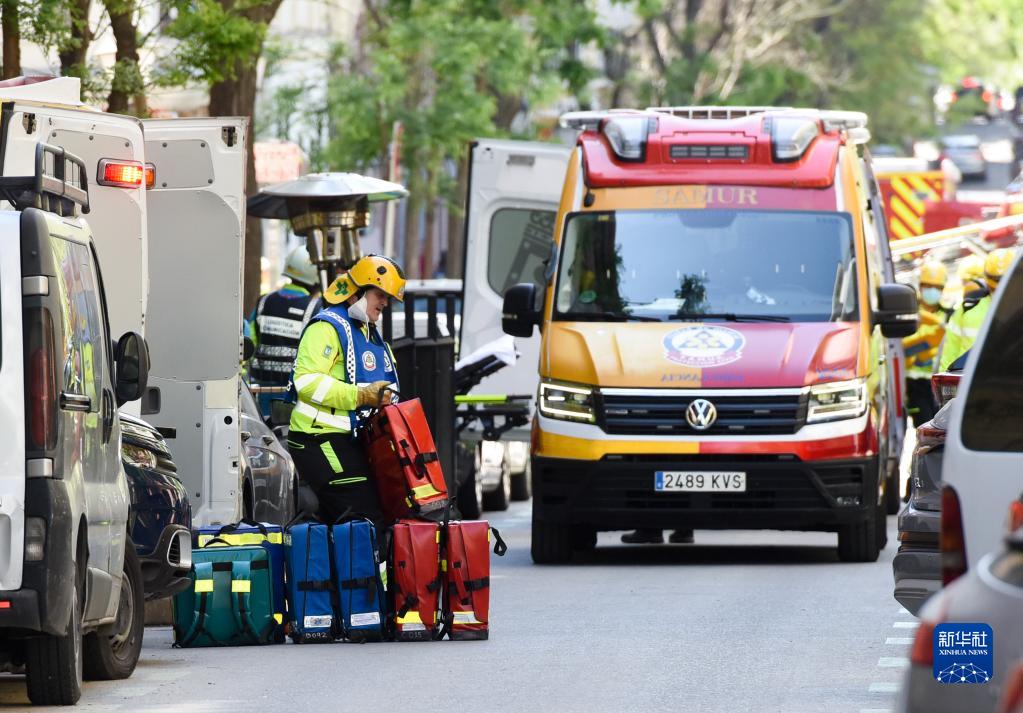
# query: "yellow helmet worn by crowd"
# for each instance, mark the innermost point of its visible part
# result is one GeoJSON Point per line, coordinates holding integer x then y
{"type": "Point", "coordinates": [997, 264]}
{"type": "Point", "coordinates": [970, 267]}
{"type": "Point", "coordinates": [933, 274]}
{"type": "Point", "coordinates": [369, 271]}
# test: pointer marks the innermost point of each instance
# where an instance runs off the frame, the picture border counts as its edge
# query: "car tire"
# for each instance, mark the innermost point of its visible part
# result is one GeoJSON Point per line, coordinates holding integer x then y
{"type": "Point", "coordinates": [584, 539]}
{"type": "Point", "coordinates": [469, 498]}
{"type": "Point", "coordinates": [892, 499]}
{"type": "Point", "coordinates": [112, 656]}
{"type": "Point", "coordinates": [881, 528]}
{"type": "Point", "coordinates": [858, 542]}
{"type": "Point", "coordinates": [551, 542]}
{"type": "Point", "coordinates": [499, 497]}
{"type": "Point", "coordinates": [53, 664]}
{"type": "Point", "coordinates": [521, 487]}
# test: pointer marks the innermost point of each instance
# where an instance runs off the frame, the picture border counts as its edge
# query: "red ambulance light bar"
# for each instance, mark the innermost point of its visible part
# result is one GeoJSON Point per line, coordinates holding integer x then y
{"type": "Point", "coordinates": [120, 174]}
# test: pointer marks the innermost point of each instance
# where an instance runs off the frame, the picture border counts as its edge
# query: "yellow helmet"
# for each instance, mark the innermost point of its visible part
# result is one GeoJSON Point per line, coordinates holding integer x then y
{"type": "Point", "coordinates": [970, 267]}
{"type": "Point", "coordinates": [368, 271]}
{"type": "Point", "coordinates": [997, 262]}
{"type": "Point", "coordinates": [933, 274]}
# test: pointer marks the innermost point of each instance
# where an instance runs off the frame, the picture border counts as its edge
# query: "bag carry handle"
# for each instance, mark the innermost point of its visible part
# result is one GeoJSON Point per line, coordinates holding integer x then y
{"type": "Point", "coordinates": [217, 541]}
{"type": "Point", "coordinates": [241, 588]}
{"type": "Point", "coordinates": [227, 529]}
{"type": "Point", "coordinates": [500, 548]}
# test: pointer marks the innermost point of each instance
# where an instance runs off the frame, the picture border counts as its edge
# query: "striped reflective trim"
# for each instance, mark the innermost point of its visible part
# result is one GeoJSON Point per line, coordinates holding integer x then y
{"type": "Point", "coordinates": [243, 538]}
{"type": "Point", "coordinates": [961, 331]}
{"type": "Point", "coordinates": [425, 491]}
{"type": "Point", "coordinates": [305, 380]}
{"type": "Point", "coordinates": [276, 350]}
{"type": "Point", "coordinates": [411, 618]}
{"type": "Point", "coordinates": [348, 481]}
{"type": "Point", "coordinates": [241, 585]}
{"type": "Point", "coordinates": [283, 367]}
{"type": "Point", "coordinates": [331, 456]}
{"type": "Point", "coordinates": [324, 418]}
{"type": "Point", "coordinates": [323, 389]}
{"type": "Point", "coordinates": [203, 585]}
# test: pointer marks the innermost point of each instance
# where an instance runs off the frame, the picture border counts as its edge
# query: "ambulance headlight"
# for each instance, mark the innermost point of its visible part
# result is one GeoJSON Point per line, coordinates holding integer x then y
{"type": "Point", "coordinates": [837, 400]}
{"type": "Point", "coordinates": [566, 401]}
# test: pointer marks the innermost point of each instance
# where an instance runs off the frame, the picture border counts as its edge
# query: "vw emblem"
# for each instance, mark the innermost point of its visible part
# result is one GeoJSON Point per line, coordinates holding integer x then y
{"type": "Point", "coordinates": [701, 414]}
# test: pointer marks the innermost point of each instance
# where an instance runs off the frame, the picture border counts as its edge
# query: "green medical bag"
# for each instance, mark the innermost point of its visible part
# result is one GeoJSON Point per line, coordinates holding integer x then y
{"type": "Point", "coordinates": [230, 602]}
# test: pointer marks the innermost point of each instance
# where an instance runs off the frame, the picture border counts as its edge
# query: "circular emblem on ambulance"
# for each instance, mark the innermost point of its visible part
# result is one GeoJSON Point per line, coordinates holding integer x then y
{"type": "Point", "coordinates": [369, 361]}
{"type": "Point", "coordinates": [704, 346]}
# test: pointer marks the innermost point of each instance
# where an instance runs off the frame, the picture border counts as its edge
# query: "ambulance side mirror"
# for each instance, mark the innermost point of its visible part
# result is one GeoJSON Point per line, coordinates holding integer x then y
{"type": "Point", "coordinates": [132, 360]}
{"type": "Point", "coordinates": [519, 314]}
{"type": "Point", "coordinates": [897, 311]}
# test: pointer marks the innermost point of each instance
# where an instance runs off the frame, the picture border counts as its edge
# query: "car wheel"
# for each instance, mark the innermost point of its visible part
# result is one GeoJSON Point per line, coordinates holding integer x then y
{"type": "Point", "coordinates": [470, 497]}
{"type": "Point", "coordinates": [859, 542]}
{"type": "Point", "coordinates": [113, 655]}
{"type": "Point", "coordinates": [881, 523]}
{"type": "Point", "coordinates": [584, 538]}
{"type": "Point", "coordinates": [248, 501]}
{"type": "Point", "coordinates": [499, 497]}
{"type": "Point", "coordinates": [892, 500]}
{"type": "Point", "coordinates": [551, 543]}
{"type": "Point", "coordinates": [521, 487]}
{"type": "Point", "coordinates": [53, 664]}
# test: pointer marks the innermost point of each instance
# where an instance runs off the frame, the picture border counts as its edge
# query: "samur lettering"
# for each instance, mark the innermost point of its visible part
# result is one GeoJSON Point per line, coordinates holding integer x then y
{"type": "Point", "coordinates": [704, 196]}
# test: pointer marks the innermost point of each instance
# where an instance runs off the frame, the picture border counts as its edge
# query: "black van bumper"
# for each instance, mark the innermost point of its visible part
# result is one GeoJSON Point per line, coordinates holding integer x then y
{"type": "Point", "coordinates": [782, 492]}
{"type": "Point", "coordinates": [43, 604]}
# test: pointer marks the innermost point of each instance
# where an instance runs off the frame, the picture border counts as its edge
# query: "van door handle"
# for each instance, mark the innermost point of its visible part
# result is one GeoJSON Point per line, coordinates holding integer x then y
{"type": "Point", "coordinates": [882, 359]}
{"type": "Point", "coordinates": [75, 402]}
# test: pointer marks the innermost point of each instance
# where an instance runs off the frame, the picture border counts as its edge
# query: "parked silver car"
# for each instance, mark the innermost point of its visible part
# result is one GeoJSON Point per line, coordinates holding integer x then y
{"type": "Point", "coordinates": [992, 594]}
{"type": "Point", "coordinates": [269, 478]}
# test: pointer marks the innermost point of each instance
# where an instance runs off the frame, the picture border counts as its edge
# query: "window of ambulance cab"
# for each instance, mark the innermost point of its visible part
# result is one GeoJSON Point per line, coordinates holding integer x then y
{"type": "Point", "coordinates": [711, 265]}
{"type": "Point", "coordinates": [73, 359]}
{"type": "Point", "coordinates": [520, 244]}
{"type": "Point", "coordinates": [993, 414]}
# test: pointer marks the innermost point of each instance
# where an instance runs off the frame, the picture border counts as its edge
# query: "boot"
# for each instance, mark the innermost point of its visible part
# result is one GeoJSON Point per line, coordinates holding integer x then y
{"type": "Point", "coordinates": [643, 536]}
{"type": "Point", "coordinates": [681, 537]}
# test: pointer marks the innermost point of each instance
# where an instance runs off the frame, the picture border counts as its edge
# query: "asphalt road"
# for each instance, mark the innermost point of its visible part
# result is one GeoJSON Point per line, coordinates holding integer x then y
{"type": "Point", "coordinates": [740, 621]}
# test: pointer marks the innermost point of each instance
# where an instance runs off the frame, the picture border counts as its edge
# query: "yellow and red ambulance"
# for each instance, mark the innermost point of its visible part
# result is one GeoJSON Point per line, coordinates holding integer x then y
{"type": "Point", "coordinates": [718, 326]}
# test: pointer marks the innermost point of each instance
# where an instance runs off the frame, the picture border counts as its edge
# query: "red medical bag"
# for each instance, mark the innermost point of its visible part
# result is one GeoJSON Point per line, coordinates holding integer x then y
{"type": "Point", "coordinates": [467, 578]}
{"type": "Point", "coordinates": [404, 461]}
{"type": "Point", "coordinates": [415, 580]}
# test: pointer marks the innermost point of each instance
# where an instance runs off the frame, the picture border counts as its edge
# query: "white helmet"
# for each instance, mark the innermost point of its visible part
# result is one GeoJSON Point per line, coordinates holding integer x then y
{"type": "Point", "coordinates": [299, 268]}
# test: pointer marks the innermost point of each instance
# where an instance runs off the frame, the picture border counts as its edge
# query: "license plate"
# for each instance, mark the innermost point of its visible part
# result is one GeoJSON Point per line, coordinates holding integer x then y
{"type": "Point", "coordinates": [688, 481]}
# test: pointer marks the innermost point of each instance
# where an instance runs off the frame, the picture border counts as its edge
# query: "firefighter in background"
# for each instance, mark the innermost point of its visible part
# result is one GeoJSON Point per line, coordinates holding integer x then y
{"type": "Point", "coordinates": [922, 347]}
{"type": "Point", "coordinates": [964, 324]}
{"type": "Point", "coordinates": [277, 323]}
{"type": "Point", "coordinates": [344, 368]}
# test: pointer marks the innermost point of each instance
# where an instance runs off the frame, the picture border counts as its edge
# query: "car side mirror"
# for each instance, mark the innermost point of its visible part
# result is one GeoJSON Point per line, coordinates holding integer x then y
{"type": "Point", "coordinates": [519, 313]}
{"type": "Point", "coordinates": [132, 360]}
{"type": "Point", "coordinates": [248, 348]}
{"type": "Point", "coordinates": [897, 311]}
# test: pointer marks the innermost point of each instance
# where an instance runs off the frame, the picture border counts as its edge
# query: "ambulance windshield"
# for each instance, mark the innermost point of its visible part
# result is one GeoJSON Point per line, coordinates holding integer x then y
{"type": "Point", "coordinates": [707, 265]}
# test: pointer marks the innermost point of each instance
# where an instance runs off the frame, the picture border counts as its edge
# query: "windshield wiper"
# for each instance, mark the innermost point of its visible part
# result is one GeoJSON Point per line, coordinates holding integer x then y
{"type": "Point", "coordinates": [606, 317]}
{"type": "Point", "coordinates": [729, 317]}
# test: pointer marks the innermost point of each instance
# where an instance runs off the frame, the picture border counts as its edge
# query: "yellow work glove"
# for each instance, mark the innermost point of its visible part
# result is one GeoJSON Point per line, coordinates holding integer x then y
{"type": "Point", "coordinates": [372, 394]}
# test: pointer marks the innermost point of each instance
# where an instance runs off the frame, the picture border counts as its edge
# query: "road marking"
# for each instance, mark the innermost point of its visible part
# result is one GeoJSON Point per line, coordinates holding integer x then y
{"type": "Point", "coordinates": [893, 662]}
{"type": "Point", "coordinates": [884, 688]}
{"type": "Point", "coordinates": [903, 611]}
{"type": "Point", "coordinates": [899, 641]}
{"type": "Point", "coordinates": [906, 624]}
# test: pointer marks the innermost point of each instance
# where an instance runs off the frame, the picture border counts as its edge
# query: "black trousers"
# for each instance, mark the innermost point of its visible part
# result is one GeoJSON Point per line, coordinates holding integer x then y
{"type": "Point", "coordinates": [335, 467]}
{"type": "Point", "coordinates": [922, 406]}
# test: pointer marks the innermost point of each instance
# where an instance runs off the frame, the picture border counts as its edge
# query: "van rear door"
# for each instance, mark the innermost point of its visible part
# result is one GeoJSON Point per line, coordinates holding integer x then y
{"type": "Point", "coordinates": [196, 213]}
{"type": "Point", "coordinates": [512, 203]}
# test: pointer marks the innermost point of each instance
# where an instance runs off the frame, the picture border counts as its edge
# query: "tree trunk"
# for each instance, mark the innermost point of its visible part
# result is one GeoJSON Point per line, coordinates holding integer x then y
{"type": "Point", "coordinates": [72, 52]}
{"type": "Point", "coordinates": [428, 261]}
{"type": "Point", "coordinates": [457, 220]}
{"type": "Point", "coordinates": [11, 22]}
{"type": "Point", "coordinates": [411, 251]}
{"type": "Point", "coordinates": [237, 97]}
{"type": "Point", "coordinates": [127, 79]}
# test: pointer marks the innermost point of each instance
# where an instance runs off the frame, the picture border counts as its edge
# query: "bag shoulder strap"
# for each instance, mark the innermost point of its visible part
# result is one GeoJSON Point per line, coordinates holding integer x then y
{"type": "Point", "coordinates": [204, 588]}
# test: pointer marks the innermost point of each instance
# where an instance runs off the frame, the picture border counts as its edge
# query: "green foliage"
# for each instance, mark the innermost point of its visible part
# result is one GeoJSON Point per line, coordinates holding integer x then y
{"type": "Point", "coordinates": [214, 39]}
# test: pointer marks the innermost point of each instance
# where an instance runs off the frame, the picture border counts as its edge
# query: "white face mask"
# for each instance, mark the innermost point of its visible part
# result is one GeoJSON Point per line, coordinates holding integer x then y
{"type": "Point", "coordinates": [358, 310]}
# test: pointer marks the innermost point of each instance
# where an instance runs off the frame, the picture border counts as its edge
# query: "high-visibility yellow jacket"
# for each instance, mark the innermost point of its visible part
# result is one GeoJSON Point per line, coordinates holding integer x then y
{"type": "Point", "coordinates": [961, 331]}
{"type": "Point", "coordinates": [327, 394]}
{"type": "Point", "coordinates": [921, 347]}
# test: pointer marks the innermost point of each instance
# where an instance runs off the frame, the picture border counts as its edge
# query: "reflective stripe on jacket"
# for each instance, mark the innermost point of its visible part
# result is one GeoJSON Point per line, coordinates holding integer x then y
{"type": "Point", "coordinates": [961, 332]}
{"type": "Point", "coordinates": [921, 347]}
{"type": "Point", "coordinates": [336, 356]}
{"type": "Point", "coordinates": [278, 322]}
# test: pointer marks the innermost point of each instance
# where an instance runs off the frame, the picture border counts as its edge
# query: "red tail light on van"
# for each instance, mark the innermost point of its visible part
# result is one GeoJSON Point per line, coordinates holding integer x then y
{"type": "Point", "coordinates": [40, 380]}
{"type": "Point", "coordinates": [944, 387]}
{"type": "Point", "coordinates": [953, 541]}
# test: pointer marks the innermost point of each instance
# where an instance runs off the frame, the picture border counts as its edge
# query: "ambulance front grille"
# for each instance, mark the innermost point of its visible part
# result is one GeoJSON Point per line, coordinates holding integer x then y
{"type": "Point", "coordinates": [662, 415]}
